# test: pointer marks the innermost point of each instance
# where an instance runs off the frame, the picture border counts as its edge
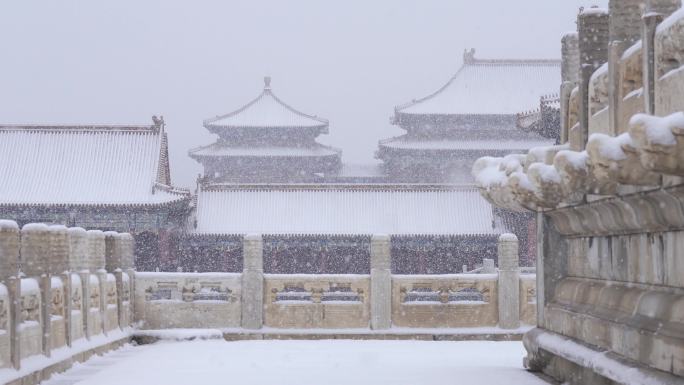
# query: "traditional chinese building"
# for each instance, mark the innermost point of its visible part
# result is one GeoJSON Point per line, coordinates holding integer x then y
{"type": "Point", "coordinates": [267, 141]}
{"type": "Point", "coordinates": [100, 177]}
{"type": "Point", "coordinates": [327, 228]}
{"type": "Point", "coordinates": [474, 114]}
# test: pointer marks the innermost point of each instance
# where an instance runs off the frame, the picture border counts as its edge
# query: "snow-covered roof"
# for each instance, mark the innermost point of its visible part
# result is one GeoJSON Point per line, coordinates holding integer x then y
{"type": "Point", "coordinates": [474, 145]}
{"type": "Point", "coordinates": [219, 150]}
{"type": "Point", "coordinates": [84, 165]}
{"type": "Point", "coordinates": [266, 111]}
{"type": "Point", "coordinates": [342, 209]}
{"type": "Point", "coordinates": [490, 87]}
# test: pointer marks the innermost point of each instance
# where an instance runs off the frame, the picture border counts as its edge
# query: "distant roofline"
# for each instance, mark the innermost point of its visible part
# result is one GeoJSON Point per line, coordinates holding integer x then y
{"type": "Point", "coordinates": [155, 128]}
{"type": "Point", "coordinates": [193, 152]}
{"type": "Point", "coordinates": [267, 91]}
{"type": "Point", "coordinates": [389, 187]}
{"type": "Point", "coordinates": [71, 127]}
{"type": "Point", "coordinates": [469, 59]}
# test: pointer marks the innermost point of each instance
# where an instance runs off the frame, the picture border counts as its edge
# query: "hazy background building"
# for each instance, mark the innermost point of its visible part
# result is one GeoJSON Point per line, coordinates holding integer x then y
{"type": "Point", "coordinates": [351, 62]}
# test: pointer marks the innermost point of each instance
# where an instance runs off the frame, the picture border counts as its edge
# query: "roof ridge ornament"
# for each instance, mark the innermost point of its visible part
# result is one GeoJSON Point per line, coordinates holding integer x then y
{"type": "Point", "coordinates": [158, 122]}
{"type": "Point", "coordinates": [469, 56]}
{"type": "Point", "coordinates": [267, 83]}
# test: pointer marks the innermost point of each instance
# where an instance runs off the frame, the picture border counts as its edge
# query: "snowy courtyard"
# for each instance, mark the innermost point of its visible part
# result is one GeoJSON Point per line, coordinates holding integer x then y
{"type": "Point", "coordinates": [306, 362]}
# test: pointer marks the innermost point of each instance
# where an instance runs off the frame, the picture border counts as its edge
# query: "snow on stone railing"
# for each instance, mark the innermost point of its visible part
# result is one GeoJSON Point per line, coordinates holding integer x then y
{"type": "Point", "coordinates": [252, 299]}
{"type": "Point", "coordinates": [554, 175]}
{"type": "Point", "coordinates": [492, 175]}
{"type": "Point", "coordinates": [50, 307]}
{"type": "Point", "coordinates": [661, 141]}
{"type": "Point", "coordinates": [617, 160]}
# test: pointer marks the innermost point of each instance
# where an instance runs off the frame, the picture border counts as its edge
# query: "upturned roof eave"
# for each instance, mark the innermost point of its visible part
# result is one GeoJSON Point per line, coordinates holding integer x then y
{"type": "Point", "coordinates": [193, 153]}
{"type": "Point", "coordinates": [217, 128]}
{"type": "Point", "coordinates": [469, 61]}
{"type": "Point", "coordinates": [317, 122]}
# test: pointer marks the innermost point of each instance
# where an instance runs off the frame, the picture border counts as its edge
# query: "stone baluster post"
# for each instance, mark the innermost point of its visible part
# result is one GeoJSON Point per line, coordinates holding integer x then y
{"type": "Point", "coordinates": [35, 255]}
{"type": "Point", "coordinates": [45, 282]}
{"type": "Point", "coordinates": [488, 266]}
{"type": "Point", "coordinates": [9, 273]}
{"type": "Point", "coordinates": [96, 251]}
{"type": "Point", "coordinates": [66, 282]}
{"type": "Point", "coordinates": [128, 267]}
{"type": "Point", "coordinates": [655, 11]}
{"type": "Point", "coordinates": [624, 30]}
{"type": "Point", "coordinates": [381, 283]}
{"type": "Point", "coordinates": [9, 249]}
{"type": "Point", "coordinates": [85, 302]}
{"type": "Point", "coordinates": [593, 32]}
{"type": "Point", "coordinates": [118, 274]}
{"type": "Point", "coordinates": [569, 73]}
{"type": "Point", "coordinates": [253, 282]}
{"type": "Point", "coordinates": [78, 257]}
{"type": "Point", "coordinates": [113, 264]}
{"type": "Point", "coordinates": [509, 282]}
{"type": "Point", "coordinates": [14, 293]}
{"type": "Point", "coordinates": [112, 251]}
{"type": "Point", "coordinates": [59, 268]}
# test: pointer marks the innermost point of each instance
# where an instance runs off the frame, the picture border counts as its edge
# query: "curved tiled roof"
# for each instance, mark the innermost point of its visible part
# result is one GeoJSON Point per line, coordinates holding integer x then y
{"type": "Point", "coordinates": [260, 151]}
{"type": "Point", "coordinates": [342, 209]}
{"type": "Point", "coordinates": [84, 165]}
{"type": "Point", "coordinates": [512, 145]}
{"type": "Point", "coordinates": [490, 87]}
{"type": "Point", "coordinates": [266, 111]}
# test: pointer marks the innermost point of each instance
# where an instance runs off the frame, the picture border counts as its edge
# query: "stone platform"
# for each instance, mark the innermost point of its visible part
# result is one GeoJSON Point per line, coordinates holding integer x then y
{"type": "Point", "coordinates": [238, 334]}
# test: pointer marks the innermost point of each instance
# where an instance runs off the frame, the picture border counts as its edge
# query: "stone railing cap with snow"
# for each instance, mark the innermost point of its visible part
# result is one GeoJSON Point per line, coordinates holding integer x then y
{"type": "Point", "coordinates": [77, 230]}
{"type": "Point", "coordinates": [508, 237]}
{"type": "Point", "coordinates": [29, 227]}
{"type": "Point", "coordinates": [6, 224]}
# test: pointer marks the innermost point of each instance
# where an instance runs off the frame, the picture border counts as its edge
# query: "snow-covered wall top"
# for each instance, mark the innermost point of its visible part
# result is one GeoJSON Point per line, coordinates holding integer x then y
{"type": "Point", "coordinates": [491, 87]}
{"type": "Point", "coordinates": [342, 210]}
{"type": "Point", "coordinates": [80, 165]}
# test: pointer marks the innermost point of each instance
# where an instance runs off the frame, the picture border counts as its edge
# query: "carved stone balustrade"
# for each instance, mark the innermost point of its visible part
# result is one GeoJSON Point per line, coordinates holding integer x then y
{"type": "Point", "coordinates": [573, 168]}
{"type": "Point", "coordinates": [547, 184]}
{"type": "Point", "coordinates": [524, 191]}
{"type": "Point", "coordinates": [494, 183]}
{"type": "Point", "coordinates": [544, 154]}
{"type": "Point", "coordinates": [616, 160]}
{"type": "Point", "coordinates": [660, 142]}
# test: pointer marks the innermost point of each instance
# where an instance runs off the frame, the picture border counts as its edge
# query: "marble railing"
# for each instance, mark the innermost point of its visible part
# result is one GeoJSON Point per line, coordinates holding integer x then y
{"type": "Point", "coordinates": [67, 295]}
{"type": "Point", "coordinates": [253, 300]}
{"type": "Point", "coordinates": [610, 209]}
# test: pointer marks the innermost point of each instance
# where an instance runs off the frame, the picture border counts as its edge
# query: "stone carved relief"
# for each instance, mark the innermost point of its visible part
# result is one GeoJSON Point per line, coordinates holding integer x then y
{"type": "Point", "coordinates": [670, 48]}
{"type": "Point", "coordinates": [598, 92]}
{"type": "Point", "coordinates": [76, 299]}
{"type": "Point", "coordinates": [57, 308]}
{"type": "Point", "coordinates": [94, 296]}
{"type": "Point", "coordinates": [459, 292]}
{"type": "Point", "coordinates": [334, 292]}
{"type": "Point", "coordinates": [126, 296]}
{"type": "Point", "coordinates": [3, 315]}
{"type": "Point", "coordinates": [531, 295]}
{"type": "Point", "coordinates": [162, 291]}
{"type": "Point", "coordinates": [30, 308]}
{"type": "Point", "coordinates": [632, 77]}
{"type": "Point", "coordinates": [111, 293]}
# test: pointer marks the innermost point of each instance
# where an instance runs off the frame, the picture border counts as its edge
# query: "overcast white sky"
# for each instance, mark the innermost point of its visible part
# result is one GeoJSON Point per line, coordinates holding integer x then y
{"type": "Point", "coordinates": [349, 61]}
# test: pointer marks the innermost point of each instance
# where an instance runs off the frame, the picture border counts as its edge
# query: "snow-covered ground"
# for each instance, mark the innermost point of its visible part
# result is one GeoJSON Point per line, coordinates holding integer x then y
{"type": "Point", "coordinates": [306, 362]}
